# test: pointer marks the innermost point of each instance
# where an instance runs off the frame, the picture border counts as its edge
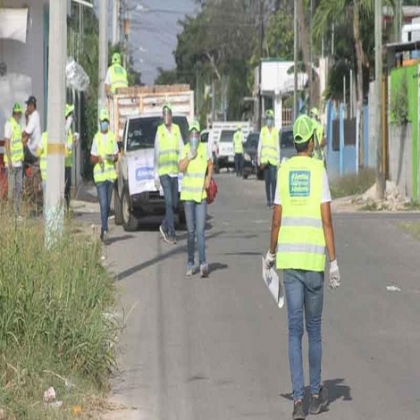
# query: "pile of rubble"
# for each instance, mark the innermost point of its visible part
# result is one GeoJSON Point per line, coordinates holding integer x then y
{"type": "Point", "coordinates": [393, 199]}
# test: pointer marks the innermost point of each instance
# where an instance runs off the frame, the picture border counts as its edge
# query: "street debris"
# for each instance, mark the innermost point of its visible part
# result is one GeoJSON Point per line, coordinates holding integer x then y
{"type": "Point", "coordinates": [393, 289]}
{"type": "Point", "coordinates": [49, 397]}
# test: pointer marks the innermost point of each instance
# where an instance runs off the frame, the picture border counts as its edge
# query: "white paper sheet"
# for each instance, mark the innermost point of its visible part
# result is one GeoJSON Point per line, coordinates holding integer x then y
{"type": "Point", "coordinates": [272, 281]}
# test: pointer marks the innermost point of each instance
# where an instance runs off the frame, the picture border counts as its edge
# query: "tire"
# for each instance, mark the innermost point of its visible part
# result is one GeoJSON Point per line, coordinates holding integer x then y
{"type": "Point", "coordinates": [129, 221]}
{"type": "Point", "coordinates": [118, 208]}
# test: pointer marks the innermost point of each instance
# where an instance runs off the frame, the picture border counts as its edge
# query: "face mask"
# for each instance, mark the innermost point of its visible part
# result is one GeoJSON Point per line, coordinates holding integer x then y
{"type": "Point", "coordinates": [104, 126]}
{"type": "Point", "coordinates": [194, 140]}
{"type": "Point", "coordinates": [269, 122]}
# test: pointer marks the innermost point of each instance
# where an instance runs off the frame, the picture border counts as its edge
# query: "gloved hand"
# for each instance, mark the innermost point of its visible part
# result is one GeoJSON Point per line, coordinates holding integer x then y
{"type": "Point", "coordinates": [157, 184]}
{"type": "Point", "coordinates": [269, 260]}
{"type": "Point", "coordinates": [334, 275]}
{"type": "Point", "coordinates": [192, 154]}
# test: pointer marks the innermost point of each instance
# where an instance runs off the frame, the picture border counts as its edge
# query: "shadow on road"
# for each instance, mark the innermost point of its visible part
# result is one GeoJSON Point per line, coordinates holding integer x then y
{"type": "Point", "coordinates": [115, 239]}
{"type": "Point", "coordinates": [244, 253]}
{"type": "Point", "coordinates": [158, 259]}
{"type": "Point", "coordinates": [217, 266]}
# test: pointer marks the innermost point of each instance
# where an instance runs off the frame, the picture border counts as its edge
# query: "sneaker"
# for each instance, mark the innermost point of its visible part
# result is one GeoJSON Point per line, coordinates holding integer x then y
{"type": "Point", "coordinates": [204, 270]}
{"type": "Point", "coordinates": [104, 237]}
{"type": "Point", "coordinates": [319, 402]}
{"type": "Point", "coordinates": [163, 233]}
{"type": "Point", "coordinates": [298, 413]}
{"type": "Point", "coordinates": [172, 240]}
{"type": "Point", "coordinates": [190, 271]}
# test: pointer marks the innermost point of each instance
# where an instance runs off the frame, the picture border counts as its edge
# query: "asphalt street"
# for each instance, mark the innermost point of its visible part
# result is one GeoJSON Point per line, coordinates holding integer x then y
{"type": "Point", "coordinates": [216, 348]}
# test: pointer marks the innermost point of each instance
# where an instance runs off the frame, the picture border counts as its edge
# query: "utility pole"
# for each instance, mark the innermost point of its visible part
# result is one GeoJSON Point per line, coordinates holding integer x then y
{"type": "Point", "coordinates": [54, 194]}
{"type": "Point", "coordinates": [398, 20]}
{"type": "Point", "coordinates": [103, 51]}
{"type": "Point", "coordinates": [116, 9]}
{"type": "Point", "coordinates": [260, 68]}
{"type": "Point", "coordinates": [295, 92]}
{"type": "Point", "coordinates": [380, 170]}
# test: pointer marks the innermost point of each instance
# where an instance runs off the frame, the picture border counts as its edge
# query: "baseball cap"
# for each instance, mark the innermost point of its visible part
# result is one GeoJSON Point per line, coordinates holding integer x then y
{"type": "Point", "coordinates": [116, 58]}
{"type": "Point", "coordinates": [314, 111]}
{"type": "Point", "coordinates": [269, 113]}
{"type": "Point", "coordinates": [303, 129]}
{"type": "Point", "coordinates": [168, 107]}
{"type": "Point", "coordinates": [31, 100]}
{"type": "Point", "coordinates": [17, 108]}
{"type": "Point", "coordinates": [239, 127]}
{"type": "Point", "coordinates": [103, 115]}
{"type": "Point", "coordinates": [195, 126]}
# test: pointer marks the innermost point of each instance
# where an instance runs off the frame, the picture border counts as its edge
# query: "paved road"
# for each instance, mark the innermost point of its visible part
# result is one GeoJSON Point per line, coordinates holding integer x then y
{"type": "Point", "coordinates": [216, 349]}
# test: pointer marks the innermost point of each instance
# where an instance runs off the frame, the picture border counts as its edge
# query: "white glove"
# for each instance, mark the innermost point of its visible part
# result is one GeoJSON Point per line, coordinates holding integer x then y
{"type": "Point", "coordinates": [192, 154]}
{"type": "Point", "coordinates": [157, 184]}
{"type": "Point", "coordinates": [334, 275]}
{"type": "Point", "coordinates": [269, 260]}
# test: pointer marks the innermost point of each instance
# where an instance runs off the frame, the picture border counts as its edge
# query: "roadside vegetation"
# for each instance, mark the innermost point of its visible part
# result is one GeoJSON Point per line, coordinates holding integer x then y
{"type": "Point", "coordinates": [352, 184]}
{"type": "Point", "coordinates": [55, 327]}
{"type": "Point", "coordinates": [411, 228]}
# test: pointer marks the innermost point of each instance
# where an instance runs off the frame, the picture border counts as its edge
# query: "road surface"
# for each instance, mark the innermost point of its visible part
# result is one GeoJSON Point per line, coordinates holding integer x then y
{"type": "Point", "coordinates": [216, 349]}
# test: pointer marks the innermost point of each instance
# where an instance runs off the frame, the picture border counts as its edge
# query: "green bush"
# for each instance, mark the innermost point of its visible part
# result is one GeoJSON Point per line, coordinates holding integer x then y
{"type": "Point", "coordinates": [53, 323]}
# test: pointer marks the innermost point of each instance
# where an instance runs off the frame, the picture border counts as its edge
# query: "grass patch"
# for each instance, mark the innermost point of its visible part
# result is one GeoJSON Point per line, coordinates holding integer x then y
{"type": "Point", "coordinates": [353, 184]}
{"type": "Point", "coordinates": [53, 331]}
{"type": "Point", "coordinates": [411, 228]}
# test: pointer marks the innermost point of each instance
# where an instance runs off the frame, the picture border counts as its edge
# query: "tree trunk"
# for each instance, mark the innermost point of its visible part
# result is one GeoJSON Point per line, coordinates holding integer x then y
{"type": "Point", "coordinates": [305, 46]}
{"type": "Point", "coordinates": [359, 60]}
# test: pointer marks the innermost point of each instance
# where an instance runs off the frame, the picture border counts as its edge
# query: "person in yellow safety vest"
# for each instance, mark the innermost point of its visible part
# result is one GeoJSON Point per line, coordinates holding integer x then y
{"type": "Point", "coordinates": [238, 146]}
{"type": "Point", "coordinates": [301, 230]}
{"type": "Point", "coordinates": [104, 155]}
{"type": "Point", "coordinates": [320, 143]}
{"type": "Point", "coordinates": [168, 147]}
{"type": "Point", "coordinates": [13, 158]}
{"type": "Point", "coordinates": [269, 156]}
{"type": "Point", "coordinates": [197, 166]}
{"type": "Point", "coordinates": [71, 145]}
{"type": "Point", "coordinates": [116, 76]}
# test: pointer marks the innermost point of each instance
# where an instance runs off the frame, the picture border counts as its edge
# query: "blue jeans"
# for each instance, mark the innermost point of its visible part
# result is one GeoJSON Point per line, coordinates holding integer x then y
{"type": "Point", "coordinates": [170, 193]}
{"type": "Point", "coordinates": [15, 187]}
{"type": "Point", "coordinates": [104, 196]}
{"type": "Point", "coordinates": [196, 213]}
{"type": "Point", "coordinates": [238, 163]}
{"type": "Point", "coordinates": [304, 291]}
{"type": "Point", "coordinates": [270, 176]}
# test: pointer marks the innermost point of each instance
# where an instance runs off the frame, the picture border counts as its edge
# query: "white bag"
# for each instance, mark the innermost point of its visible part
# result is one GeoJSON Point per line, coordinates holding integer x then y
{"type": "Point", "coordinates": [272, 281]}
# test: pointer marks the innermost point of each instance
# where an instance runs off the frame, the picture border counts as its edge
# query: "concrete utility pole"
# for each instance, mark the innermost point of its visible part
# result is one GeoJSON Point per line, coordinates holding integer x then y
{"type": "Point", "coordinates": [380, 170]}
{"type": "Point", "coordinates": [54, 194]}
{"type": "Point", "coordinates": [103, 51]}
{"type": "Point", "coordinates": [260, 98]}
{"type": "Point", "coordinates": [116, 9]}
{"type": "Point", "coordinates": [295, 93]}
{"type": "Point", "coordinates": [398, 20]}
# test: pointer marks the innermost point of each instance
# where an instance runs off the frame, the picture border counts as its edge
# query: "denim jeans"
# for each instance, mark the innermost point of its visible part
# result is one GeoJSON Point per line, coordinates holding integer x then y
{"type": "Point", "coordinates": [170, 193]}
{"type": "Point", "coordinates": [15, 187]}
{"type": "Point", "coordinates": [196, 214]}
{"type": "Point", "coordinates": [304, 291]}
{"type": "Point", "coordinates": [238, 163]}
{"type": "Point", "coordinates": [67, 190]}
{"type": "Point", "coordinates": [270, 176]}
{"type": "Point", "coordinates": [104, 196]}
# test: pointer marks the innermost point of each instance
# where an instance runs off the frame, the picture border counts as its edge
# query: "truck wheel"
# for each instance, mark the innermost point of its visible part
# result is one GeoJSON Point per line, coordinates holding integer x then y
{"type": "Point", "coordinates": [130, 223]}
{"type": "Point", "coordinates": [118, 208]}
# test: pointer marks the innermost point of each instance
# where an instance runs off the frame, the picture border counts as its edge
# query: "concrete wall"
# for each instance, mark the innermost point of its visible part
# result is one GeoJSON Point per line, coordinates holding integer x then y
{"type": "Point", "coordinates": [400, 157]}
{"type": "Point", "coordinates": [25, 63]}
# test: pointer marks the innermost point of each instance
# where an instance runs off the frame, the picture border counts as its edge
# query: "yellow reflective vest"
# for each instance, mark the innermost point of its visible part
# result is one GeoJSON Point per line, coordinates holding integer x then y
{"type": "Point", "coordinates": [238, 145]}
{"type": "Point", "coordinates": [69, 150]}
{"type": "Point", "coordinates": [118, 77]}
{"type": "Point", "coordinates": [195, 175]}
{"type": "Point", "coordinates": [15, 143]}
{"type": "Point", "coordinates": [301, 241]}
{"type": "Point", "coordinates": [318, 152]}
{"type": "Point", "coordinates": [43, 156]}
{"type": "Point", "coordinates": [270, 146]}
{"type": "Point", "coordinates": [105, 171]}
{"type": "Point", "coordinates": [168, 150]}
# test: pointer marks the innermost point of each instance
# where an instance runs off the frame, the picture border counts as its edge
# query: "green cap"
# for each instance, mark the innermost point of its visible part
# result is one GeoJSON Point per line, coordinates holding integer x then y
{"type": "Point", "coordinates": [168, 107]}
{"type": "Point", "coordinates": [314, 112]}
{"type": "Point", "coordinates": [269, 113]}
{"type": "Point", "coordinates": [303, 129]}
{"type": "Point", "coordinates": [17, 108]}
{"type": "Point", "coordinates": [239, 127]}
{"type": "Point", "coordinates": [116, 58]}
{"type": "Point", "coordinates": [69, 109]}
{"type": "Point", "coordinates": [103, 115]}
{"type": "Point", "coordinates": [195, 126]}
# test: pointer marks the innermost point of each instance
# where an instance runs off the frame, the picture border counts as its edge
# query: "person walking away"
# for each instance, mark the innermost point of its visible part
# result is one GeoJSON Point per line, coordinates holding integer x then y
{"type": "Point", "coordinates": [13, 158]}
{"type": "Point", "coordinates": [269, 156]}
{"type": "Point", "coordinates": [116, 76]}
{"type": "Point", "coordinates": [320, 142]}
{"type": "Point", "coordinates": [71, 145]}
{"type": "Point", "coordinates": [32, 132]}
{"type": "Point", "coordinates": [301, 229]}
{"type": "Point", "coordinates": [197, 166]}
{"type": "Point", "coordinates": [104, 155]}
{"type": "Point", "coordinates": [168, 147]}
{"type": "Point", "coordinates": [238, 145]}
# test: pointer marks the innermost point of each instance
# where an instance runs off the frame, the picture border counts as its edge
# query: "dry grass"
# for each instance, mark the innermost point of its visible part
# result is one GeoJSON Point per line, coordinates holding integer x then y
{"type": "Point", "coordinates": [353, 184]}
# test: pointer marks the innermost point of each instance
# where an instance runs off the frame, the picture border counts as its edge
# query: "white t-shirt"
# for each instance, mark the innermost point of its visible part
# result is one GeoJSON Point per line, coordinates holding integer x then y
{"type": "Point", "coordinates": [8, 132]}
{"type": "Point", "coordinates": [326, 194]}
{"type": "Point", "coordinates": [33, 129]}
{"type": "Point", "coordinates": [108, 77]}
{"type": "Point", "coordinates": [94, 149]}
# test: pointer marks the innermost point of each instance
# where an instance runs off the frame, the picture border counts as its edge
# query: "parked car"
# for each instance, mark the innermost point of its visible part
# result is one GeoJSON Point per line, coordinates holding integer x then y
{"type": "Point", "coordinates": [250, 157]}
{"type": "Point", "coordinates": [225, 155]}
{"type": "Point", "coordinates": [138, 141]}
{"type": "Point", "coordinates": [287, 146]}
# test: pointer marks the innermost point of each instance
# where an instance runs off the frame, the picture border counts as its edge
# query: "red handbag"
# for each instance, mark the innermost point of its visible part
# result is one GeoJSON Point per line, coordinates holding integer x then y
{"type": "Point", "coordinates": [211, 191]}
